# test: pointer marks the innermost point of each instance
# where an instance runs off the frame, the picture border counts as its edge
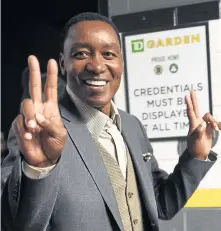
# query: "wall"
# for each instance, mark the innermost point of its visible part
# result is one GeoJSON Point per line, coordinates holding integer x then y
{"type": "Point", "coordinates": [117, 7]}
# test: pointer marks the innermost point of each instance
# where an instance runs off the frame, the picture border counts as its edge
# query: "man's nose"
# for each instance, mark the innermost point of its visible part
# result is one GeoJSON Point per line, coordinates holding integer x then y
{"type": "Point", "coordinates": [96, 65]}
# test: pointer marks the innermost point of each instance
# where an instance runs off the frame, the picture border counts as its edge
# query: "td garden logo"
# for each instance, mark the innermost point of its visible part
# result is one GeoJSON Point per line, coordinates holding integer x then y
{"type": "Point", "coordinates": [139, 45]}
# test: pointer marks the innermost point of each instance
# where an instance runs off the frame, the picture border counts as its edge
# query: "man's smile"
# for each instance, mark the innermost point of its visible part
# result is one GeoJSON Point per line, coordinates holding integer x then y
{"type": "Point", "coordinates": [95, 83]}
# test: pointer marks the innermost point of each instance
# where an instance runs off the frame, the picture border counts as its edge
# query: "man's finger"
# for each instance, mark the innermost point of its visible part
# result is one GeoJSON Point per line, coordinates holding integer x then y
{"type": "Point", "coordinates": [53, 129]}
{"type": "Point", "coordinates": [195, 103]}
{"type": "Point", "coordinates": [35, 87]}
{"type": "Point", "coordinates": [208, 118]}
{"type": "Point", "coordinates": [21, 131]}
{"type": "Point", "coordinates": [198, 132]}
{"type": "Point", "coordinates": [28, 110]}
{"type": "Point", "coordinates": [190, 112]}
{"type": "Point", "coordinates": [219, 125]}
{"type": "Point", "coordinates": [51, 86]}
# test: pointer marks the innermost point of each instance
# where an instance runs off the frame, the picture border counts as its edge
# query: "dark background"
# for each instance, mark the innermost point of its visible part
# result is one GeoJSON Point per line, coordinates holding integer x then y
{"type": "Point", "coordinates": [31, 27]}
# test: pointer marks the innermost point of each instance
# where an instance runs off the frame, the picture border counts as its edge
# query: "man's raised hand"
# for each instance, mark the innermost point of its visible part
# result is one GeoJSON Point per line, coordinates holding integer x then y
{"type": "Point", "coordinates": [39, 129]}
{"type": "Point", "coordinates": [199, 140]}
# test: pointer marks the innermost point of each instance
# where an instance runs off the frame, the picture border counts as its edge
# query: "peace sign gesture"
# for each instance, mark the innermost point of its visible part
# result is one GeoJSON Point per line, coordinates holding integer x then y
{"type": "Point", "coordinates": [199, 140]}
{"type": "Point", "coordinates": [39, 129]}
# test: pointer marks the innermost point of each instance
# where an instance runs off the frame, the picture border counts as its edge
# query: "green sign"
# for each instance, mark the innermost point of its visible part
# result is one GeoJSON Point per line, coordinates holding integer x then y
{"type": "Point", "coordinates": [137, 45]}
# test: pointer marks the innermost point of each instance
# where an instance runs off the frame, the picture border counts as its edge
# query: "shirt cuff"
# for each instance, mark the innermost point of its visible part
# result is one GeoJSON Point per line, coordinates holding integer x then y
{"type": "Point", "coordinates": [35, 172]}
{"type": "Point", "coordinates": [207, 159]}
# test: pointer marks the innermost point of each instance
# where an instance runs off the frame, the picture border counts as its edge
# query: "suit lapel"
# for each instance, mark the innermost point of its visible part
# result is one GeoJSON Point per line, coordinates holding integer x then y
{"type": "Point", "coordinates": [140, 166]}
{"type": "Point", "coordinates": [83, 141]}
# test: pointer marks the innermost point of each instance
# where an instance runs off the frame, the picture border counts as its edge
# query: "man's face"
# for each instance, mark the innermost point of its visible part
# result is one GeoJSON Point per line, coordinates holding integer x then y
{"type": "Point", "coordinates": [93, 62]}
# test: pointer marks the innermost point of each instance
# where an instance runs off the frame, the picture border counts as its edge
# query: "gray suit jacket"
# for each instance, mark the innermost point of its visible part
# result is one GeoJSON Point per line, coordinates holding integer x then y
{"type": "Point", "coordinates": [78, 196]}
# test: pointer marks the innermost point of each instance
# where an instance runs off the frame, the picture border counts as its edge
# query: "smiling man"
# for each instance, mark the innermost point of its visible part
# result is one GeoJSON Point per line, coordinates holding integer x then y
{"type": "Point", "coordinates": [93, 62]}
{"type": "Point", "coordinates": [82, 164]}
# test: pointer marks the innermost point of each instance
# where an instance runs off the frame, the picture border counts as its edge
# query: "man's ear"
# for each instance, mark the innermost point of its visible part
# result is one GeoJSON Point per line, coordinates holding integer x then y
{"type": "Point", "coordinates": [61, 63]}
{"type": "Point", "coordinates": [122, 60]}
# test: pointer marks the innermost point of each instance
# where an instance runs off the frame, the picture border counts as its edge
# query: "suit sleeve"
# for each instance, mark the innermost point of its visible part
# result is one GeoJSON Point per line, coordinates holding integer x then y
{"type": "Point", "coordinates": [27, 204]}
{"type": "Point", "coordinates": [173, 191]}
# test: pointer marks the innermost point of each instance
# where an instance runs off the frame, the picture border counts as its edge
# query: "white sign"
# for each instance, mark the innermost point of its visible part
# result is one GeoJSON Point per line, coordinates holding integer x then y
{"type": "Point", "coordinates": [161, 68]}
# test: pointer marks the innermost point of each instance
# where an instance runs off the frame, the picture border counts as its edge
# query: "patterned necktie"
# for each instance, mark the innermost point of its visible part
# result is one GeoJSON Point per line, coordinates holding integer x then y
{"type": "Point", "coordinates": [119, 146]}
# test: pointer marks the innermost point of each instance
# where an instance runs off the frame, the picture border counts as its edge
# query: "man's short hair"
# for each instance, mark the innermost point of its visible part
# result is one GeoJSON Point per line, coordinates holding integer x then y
{"type": "Point", "coordinates": [87, 16]}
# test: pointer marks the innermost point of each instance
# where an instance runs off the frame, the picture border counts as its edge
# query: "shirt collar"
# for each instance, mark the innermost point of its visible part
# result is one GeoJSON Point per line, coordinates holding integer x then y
{"type": "Point", "coordinates": [94, 119]}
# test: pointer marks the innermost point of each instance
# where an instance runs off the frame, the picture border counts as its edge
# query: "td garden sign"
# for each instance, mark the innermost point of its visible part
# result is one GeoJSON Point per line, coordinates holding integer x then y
{"type": "Point", "coordinates": [161, 68]}
{"type": "Point", "coordinates": [139, 44]}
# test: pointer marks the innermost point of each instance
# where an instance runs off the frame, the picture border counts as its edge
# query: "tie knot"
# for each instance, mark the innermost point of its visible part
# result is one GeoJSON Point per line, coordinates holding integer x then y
{"type": "Point", "coordinates": [112, 129]}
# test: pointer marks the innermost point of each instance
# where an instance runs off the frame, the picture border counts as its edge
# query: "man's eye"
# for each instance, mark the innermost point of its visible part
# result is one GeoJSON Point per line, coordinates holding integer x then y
{"type": "Point", "coordinates": [80, 54]}
{"type": "Point", "coordinates": [109, 55]}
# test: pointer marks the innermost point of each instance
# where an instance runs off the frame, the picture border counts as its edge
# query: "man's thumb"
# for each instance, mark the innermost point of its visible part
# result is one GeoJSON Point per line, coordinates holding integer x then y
{"type": "Point", "coordinates": [198, 132]}
{"type": "Point", "coordinates": [46, 124]}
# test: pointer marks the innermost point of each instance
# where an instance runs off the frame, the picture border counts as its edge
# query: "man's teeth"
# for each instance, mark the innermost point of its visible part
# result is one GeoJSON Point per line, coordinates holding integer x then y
{"type": "Point", "coordinates": [96, 82]}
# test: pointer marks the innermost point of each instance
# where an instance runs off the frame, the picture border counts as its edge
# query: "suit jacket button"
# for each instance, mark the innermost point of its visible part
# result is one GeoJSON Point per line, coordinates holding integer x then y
{"type": "Point", "coordinates": [135, 221]}
{"type": "Point", "coordinates": [130, 194]}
